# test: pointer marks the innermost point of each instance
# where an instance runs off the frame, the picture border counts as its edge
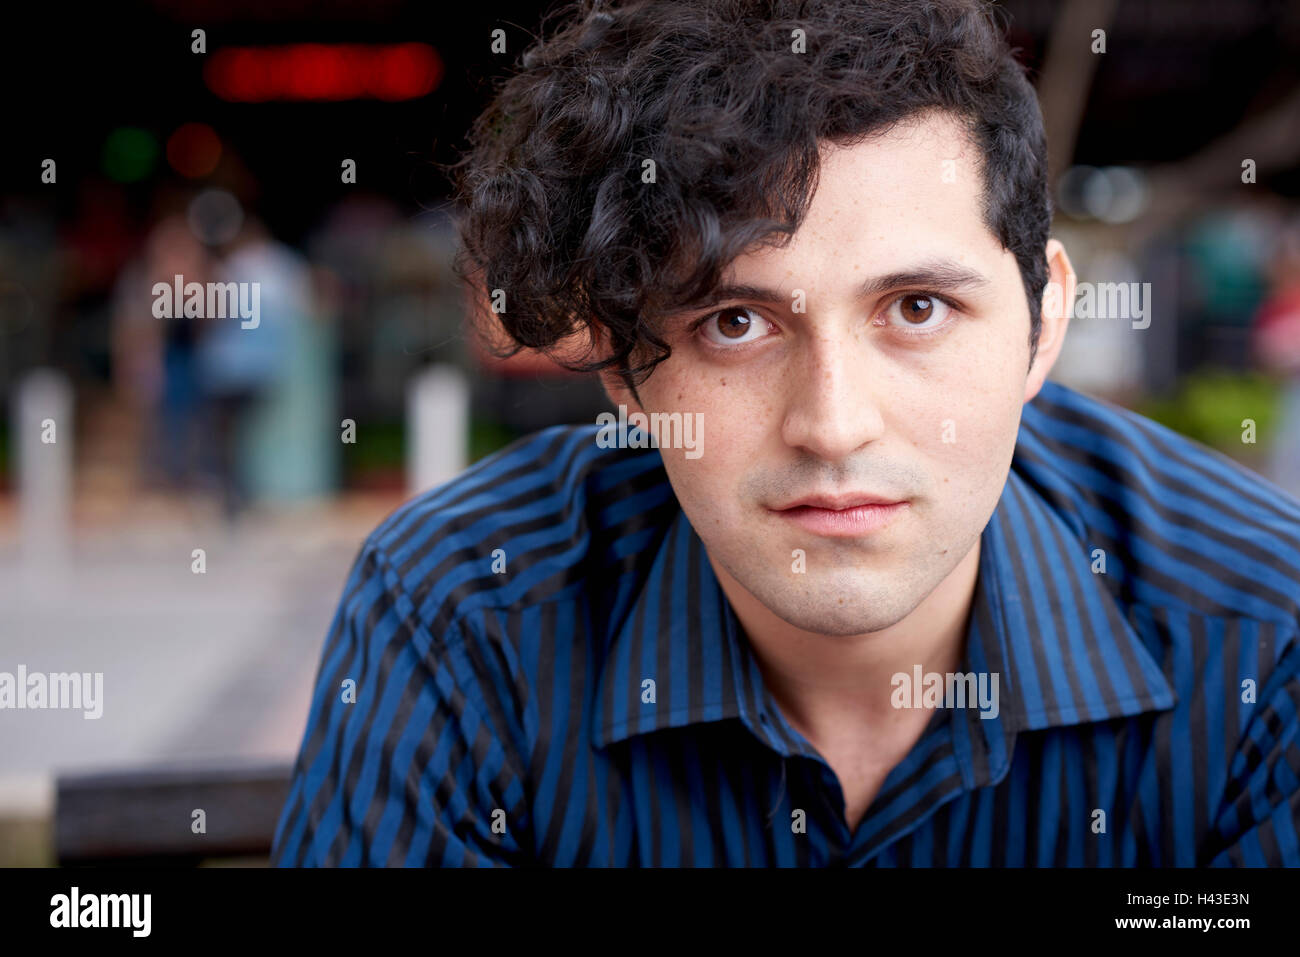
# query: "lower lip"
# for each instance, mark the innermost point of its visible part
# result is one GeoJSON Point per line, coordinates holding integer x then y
{"type": "Point", "coordinates": [845, 522]}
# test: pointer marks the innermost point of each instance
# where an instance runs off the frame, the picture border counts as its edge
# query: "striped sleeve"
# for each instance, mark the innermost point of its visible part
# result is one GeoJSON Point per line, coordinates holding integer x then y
{"type": "Point", "coordinates": [1259, 818]}
{"type": "Point", "coordinates": [397, 766]}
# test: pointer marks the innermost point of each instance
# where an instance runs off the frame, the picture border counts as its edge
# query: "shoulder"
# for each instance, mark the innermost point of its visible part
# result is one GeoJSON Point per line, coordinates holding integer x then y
{"type": "Point", "coordinates": [519, 528]}
{"type": "Point", "coordinates": [1193, 531]}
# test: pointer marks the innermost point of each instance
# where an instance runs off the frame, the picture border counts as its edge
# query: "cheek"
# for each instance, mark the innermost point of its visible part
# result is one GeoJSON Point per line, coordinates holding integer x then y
{"type": "Point", "coordinates": [732, 427]}
{"type": "Point", "coordinates": [964, 420]}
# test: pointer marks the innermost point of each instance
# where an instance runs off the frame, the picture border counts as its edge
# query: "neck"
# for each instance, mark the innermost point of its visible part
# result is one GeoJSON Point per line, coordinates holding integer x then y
{"type": "Point", "coordinates": [823, 681]}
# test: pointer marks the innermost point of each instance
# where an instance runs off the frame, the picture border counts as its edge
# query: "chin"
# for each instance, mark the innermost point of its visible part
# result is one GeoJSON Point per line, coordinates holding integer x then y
{"type": "Point", "coordinates": [841, 615]}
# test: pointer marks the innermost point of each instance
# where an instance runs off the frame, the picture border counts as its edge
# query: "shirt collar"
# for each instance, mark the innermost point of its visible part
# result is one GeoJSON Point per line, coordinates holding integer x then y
{"type": "Point", "coordinates": [1063, 649]}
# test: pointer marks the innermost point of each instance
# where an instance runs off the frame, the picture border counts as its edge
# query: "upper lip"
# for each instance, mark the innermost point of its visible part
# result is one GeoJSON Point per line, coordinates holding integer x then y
{"type": "Point", "coordinates": [841, 501]}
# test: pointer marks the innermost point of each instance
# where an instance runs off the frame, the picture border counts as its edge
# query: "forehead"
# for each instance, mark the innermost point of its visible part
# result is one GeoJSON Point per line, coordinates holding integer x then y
{"type": "Point", "coordinates": [911, 194]}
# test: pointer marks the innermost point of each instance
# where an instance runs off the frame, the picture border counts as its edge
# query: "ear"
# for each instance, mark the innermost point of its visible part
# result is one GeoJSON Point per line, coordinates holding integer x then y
{"type": "Point", "coordinates": [618, 392]}
{"type": "Point", "coordinates": [615, 388]}
{"type": "Point", "coordinates": [1057, 304]}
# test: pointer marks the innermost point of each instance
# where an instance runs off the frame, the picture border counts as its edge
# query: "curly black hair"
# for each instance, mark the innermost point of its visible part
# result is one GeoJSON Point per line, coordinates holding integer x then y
{"type": "Point", "coordinates": [553, 207]}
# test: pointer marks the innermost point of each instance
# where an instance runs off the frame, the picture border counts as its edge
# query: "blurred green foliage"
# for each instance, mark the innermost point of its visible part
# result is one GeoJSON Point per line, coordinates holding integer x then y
{"type": "Point", "coordinates": [384, 448]}
{"type": "Point", "coordinates": [487, 436]}
{"type": "Point", "coordinates": [1210, 405]}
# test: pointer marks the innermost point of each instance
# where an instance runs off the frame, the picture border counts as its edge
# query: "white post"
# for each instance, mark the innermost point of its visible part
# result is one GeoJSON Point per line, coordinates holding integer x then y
{"type": "Point", "coordinates": [437, 427]}
{"type": "Point", "coordinates": [43, 434]}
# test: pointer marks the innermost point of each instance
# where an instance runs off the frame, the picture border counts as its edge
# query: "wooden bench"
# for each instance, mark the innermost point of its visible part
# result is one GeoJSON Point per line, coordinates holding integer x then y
{"type": "Point", "coordinates": [146, 816]}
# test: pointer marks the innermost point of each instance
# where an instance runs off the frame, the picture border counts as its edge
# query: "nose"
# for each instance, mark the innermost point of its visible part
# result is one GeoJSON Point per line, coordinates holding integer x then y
{"type": "Point", "coordinates": [833, 408]}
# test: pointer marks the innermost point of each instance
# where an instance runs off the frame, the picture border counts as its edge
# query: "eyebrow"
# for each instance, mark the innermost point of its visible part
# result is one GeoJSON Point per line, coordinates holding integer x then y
{"type": "Point", "coordinates": [942, 275]}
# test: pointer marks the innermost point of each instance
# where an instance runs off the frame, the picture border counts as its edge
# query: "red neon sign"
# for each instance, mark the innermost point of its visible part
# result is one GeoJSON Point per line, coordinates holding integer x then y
{"type": "Point", "coordinates": [320, 71]}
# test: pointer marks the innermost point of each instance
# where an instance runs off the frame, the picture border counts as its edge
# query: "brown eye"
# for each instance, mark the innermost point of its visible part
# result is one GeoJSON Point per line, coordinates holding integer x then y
{"type": "Point", "coordinates": [734, 325]}
{"type": "Point", "coordinates": [917, 308]}
{"type": "Point", "coordinates": [919, 312]}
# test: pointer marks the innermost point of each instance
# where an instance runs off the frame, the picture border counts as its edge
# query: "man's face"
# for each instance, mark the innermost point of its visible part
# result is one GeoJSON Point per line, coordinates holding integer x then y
{"type": "Point", "coordinates": [908, 392]}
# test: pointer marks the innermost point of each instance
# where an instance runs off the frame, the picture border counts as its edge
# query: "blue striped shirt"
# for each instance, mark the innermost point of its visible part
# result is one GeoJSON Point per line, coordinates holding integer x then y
{"type": "Point", "coordinates": [479, 701]}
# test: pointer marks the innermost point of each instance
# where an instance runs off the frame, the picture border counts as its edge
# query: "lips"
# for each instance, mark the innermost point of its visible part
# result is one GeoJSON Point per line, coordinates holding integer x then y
{"type": "Point", "coordinates": [847, 515]}
{"type": "Point", "coordinates": [840, 502]}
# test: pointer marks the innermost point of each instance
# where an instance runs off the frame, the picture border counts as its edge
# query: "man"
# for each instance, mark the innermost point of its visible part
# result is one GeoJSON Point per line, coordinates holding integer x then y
{"type": "Point", "coordinates": [883, 595]}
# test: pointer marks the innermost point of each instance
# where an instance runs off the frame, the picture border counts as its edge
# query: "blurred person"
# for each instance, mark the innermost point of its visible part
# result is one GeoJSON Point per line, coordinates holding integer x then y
{"type": "Point", "coordinates": [241, 358]}
{"type": "Point", "coordinates": [894, 598]}
{"type": "Point", "coordinates": [1277, 347]}
{"type": "Point", "coordinates": [153, 359]}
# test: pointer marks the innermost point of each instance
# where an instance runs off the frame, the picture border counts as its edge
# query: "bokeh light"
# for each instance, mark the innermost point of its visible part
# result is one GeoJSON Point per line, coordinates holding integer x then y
{"type": "Point", "coordinates": [129, 154]}
{"type": "Point", "coordinates": [194, 150]}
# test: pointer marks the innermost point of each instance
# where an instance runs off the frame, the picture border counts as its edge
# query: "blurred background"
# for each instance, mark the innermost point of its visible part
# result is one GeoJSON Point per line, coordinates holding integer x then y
{"type": "Point", "coordinates": [181, 499]}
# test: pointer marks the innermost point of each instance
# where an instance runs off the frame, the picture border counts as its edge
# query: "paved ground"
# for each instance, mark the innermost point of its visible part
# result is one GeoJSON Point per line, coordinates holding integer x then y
{"type": "Point", "coordinates": [197, 668]}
